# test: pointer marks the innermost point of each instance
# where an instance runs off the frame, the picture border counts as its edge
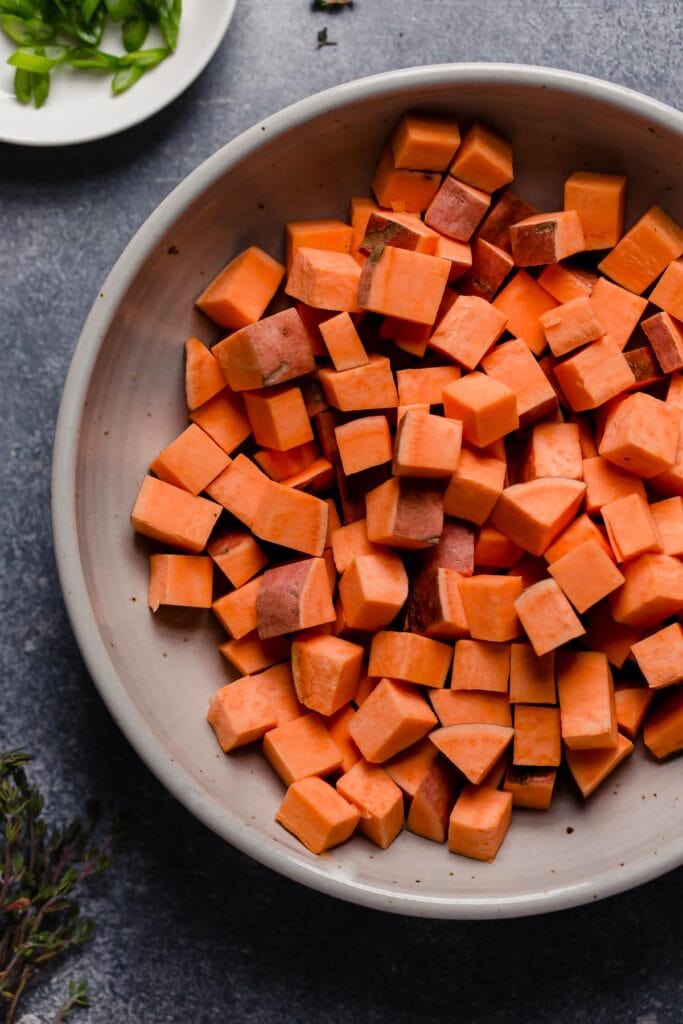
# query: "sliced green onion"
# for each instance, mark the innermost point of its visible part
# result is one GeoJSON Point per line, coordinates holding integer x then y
{"type": "Point", "coordinates": [144, 58]}
{"type": "Point", "coordinates": [169, 13]}
{"type": "Point", "coordinates": [119, 9]}
{"type": "Point", "coordinates": [88, 8]}
{"type": "Point", "coordinates": [23, 8]}
{"type": "Point", "coordinates": [125, 78]}
{"type": "Point", "coordinates": [89, 59]}
{"type": "Point", "coordinates": [135, 31]}
{"type": "Point", "coordinates": [23, 85]}
{"type": "Point", "coordinates": [40, 60]}
{"type": "Point", "coordinates": [41, 89]}
{"type": "Point", "coordinates": [26, 31]}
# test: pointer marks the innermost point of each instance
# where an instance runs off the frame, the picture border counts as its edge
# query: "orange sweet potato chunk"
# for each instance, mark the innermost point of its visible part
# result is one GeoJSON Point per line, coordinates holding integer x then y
{"type": "Point", "coordinates": [410, 189]}
{"type": "Point", "coordinates": [250, 655]}
{"type": "Point", "coordinates": [240, 713]}
{"type": "Point", "coordinates": [595, 374]}
{"type": "Point", "coordinates": [432, 803]}
{"type": "Point", "coordinates": [405, 513]}
{"type": "Point", "coordinates": [644, 251]}
{"type": "Point", "coordinates": [300, 748]}
{"type": "Point", "coordinates": [192, 461]}
{"type": "Point", "coordinates": [343, 342]}
{"type": "Point", "coordinates": [426, 446]}
{"type": "Point", "coordinates": [203, 376]}
{"type": "Point", "coordinates": [523, 301]}
{"type": "Point", "coordinates": [470, 707]}
{"type": "Point", "coordinates": [641, 435]}
{"type": "Point", "coordinates": [223, 419]}
{"type": "Point", "coordinates": [457, 209]}
{"type": "Point", "coordinates": [600, 202]}
{"type": "Point", "coordinates": [586, 574]}
{"type": "Point", "coordinates": [475, 487]}
{"type": "Point", "coordinates": [554, 450]}
{"type": "Point", "coordinates": [532, 678]}
{"type": "Point", "coordinates": [410, 658]}
{"type": "Point", "coordinates": [538, 739]}
{"type": "Point", "coordinates": [668, 292]}
{"type": "Point", "coordinates": [317, 814]}
{"type": "Point", "coordinates": [363, 443]}
{"type": "Point", "coordinates": [370, 386]}
{"type": "Point", "coordinates": [173, 516]}
{"type": "Point", "coordinates": [473, 748]}
{"type": "Point", "coordinates": [401, 283]}
{"type": "Point", "coordinates": [240, 293]}
{"type": "Point", "coordinates": [546, 238]}
{"type": "Point", "coordinates": [470, 328]}
{"type": "Point", "coordinates": [530, 787]}
{"type": "Point", "coordinates": [535, 513]}
{"type": "Point", "coordinates": [479, 822]}
{"type": "Point", "coordinates": [586, 694]}
{"type": "Point", "coordinates": [652, 592]}
{"type": "Point", "coordinates": [660, 656]}
{"type": "Point", "coordinates": [507, 210]}
{"type": "Point", "coordinates": [330, 234]}
{"type": "Point", "coordinates": [481, 665]}
{"type": "Point", "coordinates": [663, 733]}
{"type": "Point", "coordinates": [424, 142]}
{"type": "Point", "coordinates": [489, 603]}
{"type": "Point", "coordinates": [324, 279]}
{"type": "Point", "coordinates": [393, 717]}
{"type": "Point", "coordinates": [547, 617]}
{"type": "Point", "coordinates": [373, 589]}
{"type": "Point", "coordinates": [486, 407]}
{"type": "Point", "coordinates": [617, 309]}
{"type": "Point", "coordinates": [484, 159]}
{"type": "Point", "coordinates": [513, 364]}
{"type": "Point", "coordinates": [326, 671]}
{"type": "Point", "coordinates": [632, 703]}
{"type": "Point", "coordinates": [292, 597]}
{"type": "Point", "coordinates": [591, 767]}
{"type": "Point", "coordinates": [182, 580]}
{"type": "Point", "coordinates": [378, 799]}
{"type": "Point", "coordinates": [409, 768]}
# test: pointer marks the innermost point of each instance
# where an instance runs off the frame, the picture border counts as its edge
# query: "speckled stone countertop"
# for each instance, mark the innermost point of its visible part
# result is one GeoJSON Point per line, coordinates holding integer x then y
{"type": "Point", "coordinates": [190, 931]}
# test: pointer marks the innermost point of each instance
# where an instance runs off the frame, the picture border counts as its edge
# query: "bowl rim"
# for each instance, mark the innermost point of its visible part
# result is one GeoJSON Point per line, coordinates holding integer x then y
{"type": "Point", "coordinates": [140, 735]}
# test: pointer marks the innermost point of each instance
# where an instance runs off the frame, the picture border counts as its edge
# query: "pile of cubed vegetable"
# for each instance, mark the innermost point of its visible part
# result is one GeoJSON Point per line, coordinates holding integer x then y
{"type": "Point", "coordinates": [444, 495]}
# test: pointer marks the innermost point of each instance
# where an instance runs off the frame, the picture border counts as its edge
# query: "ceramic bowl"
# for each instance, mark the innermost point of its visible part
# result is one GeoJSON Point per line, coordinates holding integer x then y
{"type": "Point", "coordinates": [123, 402]}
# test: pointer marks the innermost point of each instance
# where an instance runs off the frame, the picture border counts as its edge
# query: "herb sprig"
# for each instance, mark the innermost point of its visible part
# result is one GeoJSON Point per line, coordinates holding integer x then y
{"type": "Point", "coordinates": [41, 869]}
{"type": "Point", "coordinates": [50, 33]}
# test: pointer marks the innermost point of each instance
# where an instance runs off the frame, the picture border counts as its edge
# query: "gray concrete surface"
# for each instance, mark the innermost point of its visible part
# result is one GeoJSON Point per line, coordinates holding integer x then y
{"type": "Point", "coordinates": [190, 931]}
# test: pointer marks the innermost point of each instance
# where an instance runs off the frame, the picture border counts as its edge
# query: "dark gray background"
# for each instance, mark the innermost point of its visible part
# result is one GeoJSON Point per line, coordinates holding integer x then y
{"type": "Point", "coordinates": [190, 931]}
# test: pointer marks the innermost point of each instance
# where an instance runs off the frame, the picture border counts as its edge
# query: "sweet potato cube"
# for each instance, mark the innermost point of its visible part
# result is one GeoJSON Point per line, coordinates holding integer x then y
{"type": "Point", "coordinates": [617, 309]}
{"type": "Point", "coordinates": [534, 513]}
{"type": "Point", "coordinates": [173, 516]}
{"type": "Point", "coordinates": [404, 513]}
{"type": "Point", "coordinates": [479, 822]}
{"type": "Point", "coordinates": [426, 446]}
{"type": "Point", "coordinates": [538, 740]}
{"type": "Point", "coordinates": [594, 375]}
{"type": "Point", "coordinates": [600, 202]}
{"type": "Point", "coordinates": [632, 703]}
{"type": "Point", "coordinates": [191, 462]}
{"type": "Point", "coordinates": [278, 417]}
{"type": "Point", "coordinates": [250, 655]}
{"type": "Point", "coordinates": [523, 301]}
{"type": "Point", "coordinates": [338, 728]}
{"type": "Point", "coordinates": [455, 549]}
{"type": "Point", "coordinates": [475, 487]}
{"type": "Point", "coordinates": [224, 420]}
{"type": "Point", "coordinates": [513, 364]}
{"type": "Point", "coordinates": [350, 541]}
{"type": "Point", "coordinates": [406, 335]}
{"type": "Point", "coordinates": [402, 230]}
{"type": "Point", "coordinates": [586, 693]}
{"type": "Point", "coordinates": [240, 488]}
{"type": "Point", "coordinates": [203, 376]}
{"type": "Point", "coordinates": [586, 574]}
{"type": "Point", "coordinates": [668, 517]}
{"type": "Point", "coordinates": [393, 717]}
{"type": "Point", "coordinates": [547, 617]}
{"type": "Point", "coordinates": [424, 385]}
{"type": "Point", "coordinates": [432, 803]}
{"type": "Point", "coordinates": [470, 328]}
{"type": "Point", "coordinates": [494, 550]}
{"type": "Point", "coordinates": [332, 235]}
{"type": "Point", "coordinates": [458, 254]}
{"type": "Point", "coordinates": [364, 387]}
{"type": "Point", "coordinates": [665, 334]}
{"type": "Point", "coordinates": [480, 665]}
{"type": "Point", "coordinates": [532, 678]}
{"type": "Point", "coordinates": [605, 482]}
{"type": "Point", "coordinates": [663, 733]}
{"type": "Point", "coordinates": [410, 658]}
{"type": "Point", "coordinates": [644, 251]}
{"type": "Point", "coordinates": [484, 159]}
{"type": "Point", "coordinates": [237, 610]}
{"type": "Point", "coordinates": [489, 603]}
{"type": "Point", "coordinates": [460, 707]}
{"type": "Point", "coordinates": [473, 748]}
{"type": "Point", "coordinates": [239, 294]}
{"type": "Point", "coordinates": [507, 210]}
{"type": "Point", "coordinates": [566, 282]}
{"type": "Point", "coordinates": [401, 283]}
{"type": "Point", "coordinates": [301, 748]}
{"type": "Point", "coordinates": [324, 280]}
{"type": "Point", "coordinates": [240, 713]}
{"type": "Point", "coordinates": [277, 687]}
{"type": "Point", "coordinates": [489, 268]}
{"type": "Point", "coordinates": [546, 238]}
{"type": "Point", "coordinates": [363, 443]}
{"type": "Point", "coordinates": [326, 671]}
{"type": "Point", "coordinates": [641, 435]}
{"type": "Point", "coordinates": [457, 209]}
{"type": "Point", "coordinates": [280, 465]}
{"type": "Point", "coordinates": [373, 590]}
{"type": "Point", "coordinates": [630, 527]}
{"type": "Point", "coordinates": [668, 292]}
{"type": "Point", "coordinates": [554, 450]}
{"type": "Point", "coordinates": [660, 656]}
{"type": "Point", "coordinates": [571, 325]}
{"type": "Point", "coordinates": [486, 408]}
{"type": "Point", "coordinates": [272, 351]}
{"type": "Point", "coordinates": [614, 639]}
{"type": "Point", "coordinates": [378, 799]}
{"type": "Point", "coordinates": [530, 787]}
{"type": "Point", "coordinates": [317, 815]}
{"type": "Point", "coordinates": [181, 580]}
{"type": "Point", "coordinates": [343, 342]}
{"type": "Point", "coordinates": [413, 190]}
{"type": "Point", "coordinates": [292, 597]}
{"type": "Point", "coordinates": [644, 365]}
{"type": "Point", "coordinates": [409, 768]}
{"type": "Point", "coordinates": [591, 767]}
{"type": "Point", "coordinates": [421, 142]}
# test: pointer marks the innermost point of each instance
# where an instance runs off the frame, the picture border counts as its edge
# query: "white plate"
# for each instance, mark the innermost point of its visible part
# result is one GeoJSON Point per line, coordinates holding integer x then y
{"type": "Point", "coordinates": [81, 107]}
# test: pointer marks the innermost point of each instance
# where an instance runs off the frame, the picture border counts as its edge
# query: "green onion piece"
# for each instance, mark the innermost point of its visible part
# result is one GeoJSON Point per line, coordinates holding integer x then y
{"type": "Point", "coordinates": [26, 32]}
{"type": "Point", "coordinates": [125, 77]}
{"type": "Point", "coordinates": [23, 85]}
{"type": "Point", "coordinates": [169, 13]}
{"type": "Point", "coordinates": [88, 8]}
{"type": "Point", "coordinates": [40, 62]}
{"type": "Point", "coordinates": [91, 60]}
{"type": "Point", "coordinates": [41, 89]}
{"type": "Point", "coordinates": [135, 31]}
{"type": "Point", "coordinates": [119, 9]}
{"type": "Point", "coordinates": [143, 58]}
{"type": "Point", "coordinates": [23, 8]}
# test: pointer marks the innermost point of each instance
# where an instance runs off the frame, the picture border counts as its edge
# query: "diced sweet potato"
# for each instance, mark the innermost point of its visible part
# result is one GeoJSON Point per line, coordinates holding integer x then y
{"type": "Point", "coordinates": [292, 597]}
{"type": "Point", "coordinates": [586, 693]}
{"type": "Point", "coordinates": [470, 328]}
{"type": "Point", "coordinates": [240, 293]}
{"type": "Point", "coordinates": [324, 280]}
{"type": "Point", "coordinates": [546, 238]}
{"type": "Point", "coordinates": [203, 376]}
{"type": "Point", "coordinates": [300, 748]}
{"type": "Point", "coordinates": [317, 815]}
{"type": "Point", "coordinates": [432, 803]}
{"type": "Point", "coordinates": [400, 283]}
{"type": "Point", "coordinates": [326, 671]}
{"type": "Point", "coordinates": [457, 209]}
{"type": "Point", "coordinates": [373, 589]}
{"type": "Point", "coordinates": [652, 592]}
{"type": "Point", "coordinates": [538, 740]}
{"type": "Point", "coordinates": [480, 665]}
{"type": "Point", "coordinates": [530, 787]}
{"type": "Point", "coordinates": [663, 733]}
{"type": "Point", "coordinates": [523, 301]}
{"type": "Point", "coordinates": [641, 435]}
{"type": "Point", "coordinates": [586, 574]}
{"type": "Point", "coordinates": [405, 513]}
{"type": "Point", "coordinates": [595, 374]}
{"type": "Point", "coordinates": [364, 387]}
{"type": "Point", "coordinates": [173, 516]}
{"type": "Point", "coordinates": [644, 251]}
{"type": "Point", "coordinates": [393, 717]}
{"type": "Point", "coordinates": [483, 159]}
{"type": "Point", "coordinates": [240, 713]}
{"type": "Point", "coordinates": [479, 822]}
{"type": "Point", "coordinates": [269, 352]}
{"type": "Point", "coordinates": [533, 514]}
{"type": "Point", "coordinates": [181, 580]}
{"type": "Point", "coordinates": [412, 189]}
{"type": "Point", "coordinates": [665, 334]}
{"type": "Point", "coordinates": [660, 656]}
{"type": "Point", "coordinates": [410, 658]}
{"type": "Point", "coordinates": [532, 678]}
{"type": "Point", "coordinates": [363, 443]}
{"type": "Point", "coordinates": [513, 364]}
{"type": "Point", "coordinates": [472, 748]}
{"type": "Point", "coordinates": [591, 767]}
{"type": "Point", "coordinates": [547, 617]}
{"type": "Point", "coordinates": [600, 201]}
{"type": "Point", "coordinates": [423, 142]}
{"type": "Point", "coordinates": [333, 235]}
{"type": "Point", "coordinates": [378, 799]}
{"type": "Point", "coordinates": [489, 603]}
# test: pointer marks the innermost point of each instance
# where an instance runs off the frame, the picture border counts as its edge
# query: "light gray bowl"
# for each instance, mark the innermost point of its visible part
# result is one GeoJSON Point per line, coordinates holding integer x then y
{"type": "Point", "coordinates": [123, 401]}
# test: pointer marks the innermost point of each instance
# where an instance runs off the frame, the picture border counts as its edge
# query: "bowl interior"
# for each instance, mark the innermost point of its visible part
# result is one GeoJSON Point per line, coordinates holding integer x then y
{"type": "Point", "coordinates": [124, 402]}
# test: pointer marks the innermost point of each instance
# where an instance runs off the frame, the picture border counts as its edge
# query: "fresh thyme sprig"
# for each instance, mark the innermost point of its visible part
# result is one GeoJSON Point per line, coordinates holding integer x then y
{"type": "Point", "coordinates": [41, 869]}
